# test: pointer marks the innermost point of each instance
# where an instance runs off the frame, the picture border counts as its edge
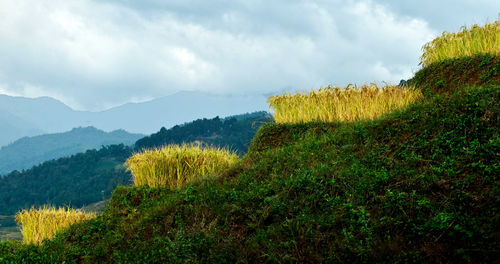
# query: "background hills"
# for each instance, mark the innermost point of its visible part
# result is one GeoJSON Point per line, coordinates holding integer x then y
{"type": "Point", "coordinates": [21, 117]}
{"type": "Point", "coordinates": [91, 176]}
{"type": "Point", "coordinates": [29, 151]}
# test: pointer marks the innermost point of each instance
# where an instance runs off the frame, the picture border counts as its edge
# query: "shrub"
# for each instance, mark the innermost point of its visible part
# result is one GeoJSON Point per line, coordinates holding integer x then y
{"type": "Point", "coordinates": [174, 165]}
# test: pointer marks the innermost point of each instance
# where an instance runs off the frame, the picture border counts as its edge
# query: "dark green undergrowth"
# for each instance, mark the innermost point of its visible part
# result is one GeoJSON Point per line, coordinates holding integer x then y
{"type": "Point", "coordinates": [420, 185]}
{"type": "Point", "coordinates": [445, 76]}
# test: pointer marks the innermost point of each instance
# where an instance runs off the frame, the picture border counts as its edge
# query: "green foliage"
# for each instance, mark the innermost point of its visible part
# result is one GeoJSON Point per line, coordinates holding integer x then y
{"type": "Point", "coordinates": [418, 185]}
{"type": "Point", "coordinates": [90, 177]}
{"type": "Point", "coordinates": [78, 180]}
{"type": "Point", "coordinates": [233, 132]}
{"type": "Point", "coordinates": [447, 75]}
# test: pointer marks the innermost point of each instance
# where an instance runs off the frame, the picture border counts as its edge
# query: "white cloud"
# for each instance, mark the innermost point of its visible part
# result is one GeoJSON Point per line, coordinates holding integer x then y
{"type": "Point", "coordinates": [96, 54]}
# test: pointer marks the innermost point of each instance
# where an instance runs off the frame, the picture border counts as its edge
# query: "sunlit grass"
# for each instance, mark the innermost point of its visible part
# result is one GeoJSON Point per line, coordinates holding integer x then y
{"type": "Point", "coordinates": [39, 224]}
{"type": "Point", "coordinates": [174, 165]}
{"type": "Point", "coordinates": [466, 42]}
{"type": "Point", "coordinates": [335, 104]}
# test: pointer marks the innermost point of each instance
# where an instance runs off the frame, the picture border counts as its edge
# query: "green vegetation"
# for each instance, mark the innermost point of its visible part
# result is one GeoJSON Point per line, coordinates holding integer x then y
{"type": "Point", "coordinates": [417, 185]}
{"type": "Point", "coordinates": [43, 223]}
{"type": "Point", "coordinates": [442, 77]}
{"type": "Point", "coordinates": [467, 42]}
{"type": "Point", "coordinates": [78, 180]}
{"type": "Point", "coordinates": [234, 132]}
{"type": "Point", "coordinates": [174, 166]}
{"type": "Point", "coordinates": [90, 177]}
{"type": "Point", "coordinates": [335, 104]}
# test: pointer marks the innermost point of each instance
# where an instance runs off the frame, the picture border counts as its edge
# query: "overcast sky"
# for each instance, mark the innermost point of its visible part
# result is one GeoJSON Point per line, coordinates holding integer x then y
{"type": "Point", "coordinates": [94, 54]}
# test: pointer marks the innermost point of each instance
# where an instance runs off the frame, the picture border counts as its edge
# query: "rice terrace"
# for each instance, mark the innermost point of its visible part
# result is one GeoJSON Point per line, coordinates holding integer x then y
{"type": "Point", "coordinates": [356, 174]}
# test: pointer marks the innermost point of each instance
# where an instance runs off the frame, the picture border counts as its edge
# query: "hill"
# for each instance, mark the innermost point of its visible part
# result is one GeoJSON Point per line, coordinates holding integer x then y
{"type": "Point", "coordinates": [29, 151]}
{"type": "Point", "coordinates": [417, 185]}
{"type": "Point", "coordinates": [21, 117]}
{"type": "Point", "coordinates": [91, 176]}
{"type": "Point", "coordinates": [78, 180]}
{"type": "Point", "coordinates": [13, 126]}
{"type": "Point", "coordinates": [233, 132]}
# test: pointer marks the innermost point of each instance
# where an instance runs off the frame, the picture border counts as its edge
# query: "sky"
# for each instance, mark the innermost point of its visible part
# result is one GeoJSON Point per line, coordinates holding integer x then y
{"type": "Point", "coordinates": [96, 54]}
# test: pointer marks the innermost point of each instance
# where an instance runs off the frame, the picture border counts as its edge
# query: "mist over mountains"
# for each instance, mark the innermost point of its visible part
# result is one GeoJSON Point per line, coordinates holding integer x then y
{"type": "Point", "coordinates": [20, 117]}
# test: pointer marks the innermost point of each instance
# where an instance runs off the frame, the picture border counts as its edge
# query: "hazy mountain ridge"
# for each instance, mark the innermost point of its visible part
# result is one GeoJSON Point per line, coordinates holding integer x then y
{"type": "Point", "coordinates": [29, 151]}
{"type": "Point", "coordinates": [20, 117]}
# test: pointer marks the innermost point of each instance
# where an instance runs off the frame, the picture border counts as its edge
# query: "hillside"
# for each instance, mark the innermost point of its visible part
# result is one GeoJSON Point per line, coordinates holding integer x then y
{"type": "Point", "coordinates": [78, 180]}
{"type": "Point", "coordinates": [91, 176]}
{"type": "Point", "coordinates": [417, 185]}
{"type": "Point", "coordinates": [29, 151]}
{"type": "Point", "coordinates": [233, 132]}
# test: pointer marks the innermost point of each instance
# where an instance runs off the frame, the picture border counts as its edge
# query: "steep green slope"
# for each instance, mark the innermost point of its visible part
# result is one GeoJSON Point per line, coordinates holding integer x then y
{"type": "Point", "coordinates": [417, 185]}
{"type": "Point", "coordinates": [29, 151]}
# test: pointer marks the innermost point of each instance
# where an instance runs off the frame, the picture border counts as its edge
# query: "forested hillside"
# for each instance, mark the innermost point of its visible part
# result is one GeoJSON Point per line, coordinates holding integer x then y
{"type": "Point", "coordinates": [78, 180]}
{"type": "Point", "coordinates": [91, 176]}
{"type": "Point", "coordinates": [232, 132]}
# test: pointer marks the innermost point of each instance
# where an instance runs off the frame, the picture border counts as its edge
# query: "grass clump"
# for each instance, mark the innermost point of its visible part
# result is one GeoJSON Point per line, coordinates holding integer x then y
{"type": "Point", "coordinates": [174, 165]}
{"type": "Point", "coordinates": [40, 224]}
{"type": "Point", "coordinates": [330, 104]}
{"type": "Point", "coordinates": [467, 42]}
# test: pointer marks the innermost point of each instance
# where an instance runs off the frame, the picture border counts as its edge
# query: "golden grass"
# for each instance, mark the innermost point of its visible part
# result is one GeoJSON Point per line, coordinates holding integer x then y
{"type": "Point", "coordinates": [467, 42]}
{"type": "Point", "coordinates": [334, 104]}
{"type": "Point", "coordinates": [174, 165]}
{"type": "Point", "coordinates": [43, 223]}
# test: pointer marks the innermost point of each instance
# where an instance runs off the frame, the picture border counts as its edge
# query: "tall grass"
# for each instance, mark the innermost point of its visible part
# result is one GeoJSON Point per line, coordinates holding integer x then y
{"type": "Point", "coordinates": [39, 224]}
{"type": "Point", "coordinates": [335, 104]}
{"type": "Point", "coordinates": [174, 165]}
{"type": "Point", "coordinates": [467, 42]}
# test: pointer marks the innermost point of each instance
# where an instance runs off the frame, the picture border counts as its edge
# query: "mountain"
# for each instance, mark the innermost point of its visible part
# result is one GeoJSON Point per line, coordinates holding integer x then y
{"type": "Point", "coordinates": [91, 176]}
{"type": "Point", "coordinates": [22, 117]}
{"type": "Point", "coordinates": [12, 126]}
{"type": "Point", "coordinates": [41, 115]}
{"type": "Point", "coordinates": [175, 109]}
{"type": "Point", "coordinates": [29, 151]}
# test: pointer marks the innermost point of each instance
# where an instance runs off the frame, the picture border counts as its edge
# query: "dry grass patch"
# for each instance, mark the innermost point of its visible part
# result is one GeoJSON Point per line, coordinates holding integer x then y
{"type": "Point", "coordinates": [335, 104]}
{"type": "Point", "coordinates": [173, 165]}
{"type": "Point", "coordinates": [467, 42]}
{"type": "Point", "coordinates": [39, 224]}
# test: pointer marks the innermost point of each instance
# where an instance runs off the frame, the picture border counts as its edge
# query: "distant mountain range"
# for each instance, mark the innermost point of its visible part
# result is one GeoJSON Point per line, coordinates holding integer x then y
{"type": "Point", "coordinates": [20, 117]}
{"type": "Point", "coordinates": [29, 151]}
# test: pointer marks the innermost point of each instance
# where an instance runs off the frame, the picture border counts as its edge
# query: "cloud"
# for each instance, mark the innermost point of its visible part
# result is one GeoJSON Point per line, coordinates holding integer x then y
{"type": "Point", "coordinates": [97, 54]}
